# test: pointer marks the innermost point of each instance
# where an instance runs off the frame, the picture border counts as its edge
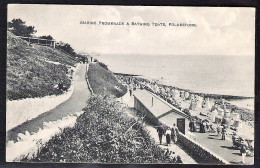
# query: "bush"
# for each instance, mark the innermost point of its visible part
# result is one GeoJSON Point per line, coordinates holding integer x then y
{"type": "Point", "coordinates": [103, 134]}
{"type": "Point", "coordinates": [103, 65]}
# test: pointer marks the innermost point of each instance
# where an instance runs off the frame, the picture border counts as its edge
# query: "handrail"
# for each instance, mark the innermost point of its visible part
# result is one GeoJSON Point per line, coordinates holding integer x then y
{"type": "Point", "coordinates": [36, 38]}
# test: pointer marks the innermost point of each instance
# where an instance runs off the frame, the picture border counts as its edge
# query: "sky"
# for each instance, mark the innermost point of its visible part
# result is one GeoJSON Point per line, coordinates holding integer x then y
{"type": "Point", "coordinates": [218, 31]}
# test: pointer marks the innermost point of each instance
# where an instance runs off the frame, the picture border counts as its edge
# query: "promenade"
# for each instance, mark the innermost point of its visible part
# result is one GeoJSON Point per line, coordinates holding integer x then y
{"type": "Point", "coordinates": [222, 148]}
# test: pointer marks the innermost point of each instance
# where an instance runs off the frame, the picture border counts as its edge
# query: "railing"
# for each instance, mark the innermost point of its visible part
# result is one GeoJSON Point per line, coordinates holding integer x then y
{"type": "Point", "coordinates": [39, 41]}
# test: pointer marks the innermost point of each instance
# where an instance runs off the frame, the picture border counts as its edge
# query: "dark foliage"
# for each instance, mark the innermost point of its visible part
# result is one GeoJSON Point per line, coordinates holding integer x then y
{"type": "Point", "coordinates": [18, 27]}
{"type": "Point", "coordinates": [104, 134]}
{"type": "Point", "coordinates": [49, 37]}
{"type": "Point", "coordinates": [66, 47]}
{"type": "Point", "coordinates": [103, 65]}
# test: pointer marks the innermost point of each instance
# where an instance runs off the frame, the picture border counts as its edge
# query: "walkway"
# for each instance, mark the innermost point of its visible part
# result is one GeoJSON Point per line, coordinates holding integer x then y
{"type": "Point", "coordinates": [74, 104]}
{"type": "Point", "coordinates": [209, 140]}
{"type": "Point", "coordinates": [153, 132]}
{"type": "Point", "coordinates": [221, 147]}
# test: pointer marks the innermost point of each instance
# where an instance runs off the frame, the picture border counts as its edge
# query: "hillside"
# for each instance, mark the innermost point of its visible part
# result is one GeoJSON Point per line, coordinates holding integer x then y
{"type": "Point", "coordinates": [34, 70]}
{"type": "Point", "coordinates": [103, 81]}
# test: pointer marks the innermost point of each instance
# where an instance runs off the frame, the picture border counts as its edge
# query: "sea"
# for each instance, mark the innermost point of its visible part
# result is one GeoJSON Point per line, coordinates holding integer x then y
{"type": "Point", "coordinates": [226, 75]}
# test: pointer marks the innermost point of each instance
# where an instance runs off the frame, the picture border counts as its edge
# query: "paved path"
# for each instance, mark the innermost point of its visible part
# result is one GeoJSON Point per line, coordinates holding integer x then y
{"type": "Point", "coordinates": [74, 104]}
{"type": "Point", "coordinates": [209, 140]}
{"type": "Point", "coordinates": [221, 147]}
{"type": "Point", "coordinates": [153, 132]}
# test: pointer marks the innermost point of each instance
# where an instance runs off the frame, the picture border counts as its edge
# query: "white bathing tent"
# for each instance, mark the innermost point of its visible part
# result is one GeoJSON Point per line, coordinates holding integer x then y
{"type": "Point", "coordinates": [199, 100]}
{"type": "Point", "coordinates": [213, 116]}
{"type": "Point", "coordinates": [156, 88]}
{"type": "Point", "coordinates": [193, 106]}
{"type": "Point", "coordinates": [167, 89]}
{"type": "Point", "coordinates": [186, 95]}
{"type": "Point", "coordinates": [162, 91]}
{"type": "Point", "coordinates": [208, 104]}
{"type": "Point", "coordinates": [192, 97]}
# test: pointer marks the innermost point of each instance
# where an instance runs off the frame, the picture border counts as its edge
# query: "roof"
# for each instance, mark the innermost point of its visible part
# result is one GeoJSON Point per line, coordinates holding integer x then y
{"type": "Point", "coordinates": [159, 107]}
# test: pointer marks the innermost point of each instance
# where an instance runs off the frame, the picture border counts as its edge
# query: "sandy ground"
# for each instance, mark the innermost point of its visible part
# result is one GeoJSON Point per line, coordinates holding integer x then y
{"type": "Point", "coordinates": [246, 131]}
{"type": "Point", "coordinates": [153, 133]}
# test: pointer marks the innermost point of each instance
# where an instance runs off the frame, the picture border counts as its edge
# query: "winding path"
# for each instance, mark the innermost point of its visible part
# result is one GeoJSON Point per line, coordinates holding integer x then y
{"type": "Point", "coordinates": [74, 104]}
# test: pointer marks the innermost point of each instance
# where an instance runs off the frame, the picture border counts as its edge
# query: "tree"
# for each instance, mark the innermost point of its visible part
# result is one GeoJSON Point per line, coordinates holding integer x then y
{"type": "Point", "coordinates": [18, 27]}
{"type": "Point", "coordinates": [49, 37]}
{"type": "Point", "coordinates": [66, 47]}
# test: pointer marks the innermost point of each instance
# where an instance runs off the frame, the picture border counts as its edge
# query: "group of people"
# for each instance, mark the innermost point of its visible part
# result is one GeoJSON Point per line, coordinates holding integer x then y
{"type": "Point", "coordinates": [170, 134]}
{"type": "Point", "coordinates": [203, 126]}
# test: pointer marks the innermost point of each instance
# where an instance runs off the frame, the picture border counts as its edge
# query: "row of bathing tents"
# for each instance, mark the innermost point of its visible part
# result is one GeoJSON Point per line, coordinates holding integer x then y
{"type": "Point", "coordinates": [218, 113]}
{"type": "Point", "coordinates": [196, 100]}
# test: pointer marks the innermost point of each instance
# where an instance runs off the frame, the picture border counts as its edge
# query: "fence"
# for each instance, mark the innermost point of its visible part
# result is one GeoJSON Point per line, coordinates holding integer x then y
{"type": "Point", "coordinates": [39, 41]}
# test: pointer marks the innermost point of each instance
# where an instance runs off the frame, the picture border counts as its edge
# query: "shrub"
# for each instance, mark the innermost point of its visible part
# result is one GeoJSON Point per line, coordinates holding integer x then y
{"type": "Point", "coordinates": [104, 134]}
{"type": "Point", "coordinates": [103, 65]}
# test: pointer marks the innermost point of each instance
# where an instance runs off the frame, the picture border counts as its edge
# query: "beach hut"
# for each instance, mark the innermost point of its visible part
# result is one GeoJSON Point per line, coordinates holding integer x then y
{"type": "Point", "coordinates": [218, 119]}
{"type": "Point", "coordinates": [193, 106]}
{"type": "Point", "coordinates": [156, 88]}
{"type": "Point", "coordinates": [191, 97]}
{"type": "Point", "coordinates": [163, 92]}
{"type": "Point", "coordinates": [186, 95]}
{"type": "Point", "coordinates": [208, 104]}
{"type": "Point", "coordinates": [214, 114]}
{"type": "Point", "coordinates": [182, 94]}
{"type": "Point", "coordinates": [172, 92]}
{"type": "Point", "coordinates": [199, 101]}
{"type": "Point", "coordinates": [221, 112]}
{"type": "Point", "coordinates": [175, 94]}
{"type": "Point", "coordinates": [167, 89]}
{"type": "Point", "coordinates": [235, 116]}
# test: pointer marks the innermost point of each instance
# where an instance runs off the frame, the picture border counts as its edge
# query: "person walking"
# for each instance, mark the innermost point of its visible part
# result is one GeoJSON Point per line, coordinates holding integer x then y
{"type": "Point", "coordinates": [218, 130]}
{"type": "Point", "coordinates": [243, 152]}
{"type": "Point", "coordinates": [224, 132]}
{"type": "Point", "coordinates": [160, 131]}
{"type": "Point", "coordinates": [191, 125]}
{"type": "Point", "coordinates": [204, 127]}
{"type": "Point", "coordinates": [174, 133]}
{"type": "Point", "coordinates": [168, 136]}
{"type": "Point", "coordinates": [130, 90]}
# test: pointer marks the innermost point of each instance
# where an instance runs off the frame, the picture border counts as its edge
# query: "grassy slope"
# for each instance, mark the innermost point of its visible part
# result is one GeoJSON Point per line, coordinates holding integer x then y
{"type": "Point", "coordinates": [103, 81]}
{"type": "Point", "coordinates": [103, 134]}
{"type": "Point", "coordinates": [28, 73]}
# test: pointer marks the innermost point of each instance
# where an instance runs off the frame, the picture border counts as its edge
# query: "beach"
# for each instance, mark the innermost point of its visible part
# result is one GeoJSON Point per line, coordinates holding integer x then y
{"type": "Point", "coordinates": [210, 74]}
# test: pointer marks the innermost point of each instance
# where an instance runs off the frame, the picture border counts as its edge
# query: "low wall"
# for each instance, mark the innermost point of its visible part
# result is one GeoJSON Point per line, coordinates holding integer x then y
{"type": "Point", "coordinates": [198, 152]}
{"type": "Point", "coordinates": [89, 87]}
{"type": "Point", "coordinates": [20, 111]}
